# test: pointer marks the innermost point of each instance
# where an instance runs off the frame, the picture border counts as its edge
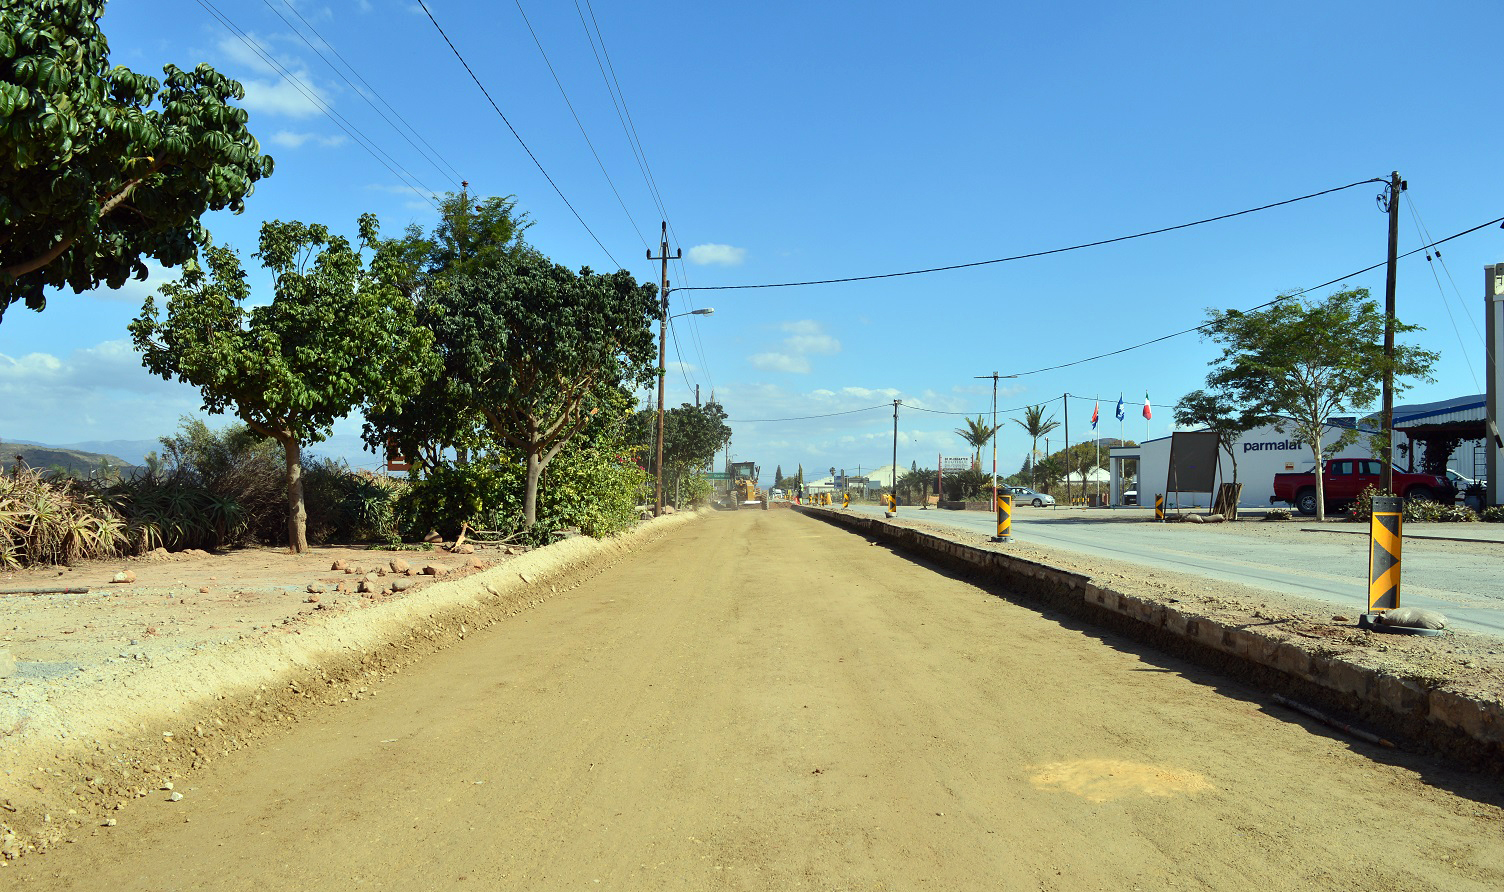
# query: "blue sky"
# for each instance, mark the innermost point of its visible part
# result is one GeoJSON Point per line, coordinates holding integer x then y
{"type": "Point", "coordinates": [791, 142]}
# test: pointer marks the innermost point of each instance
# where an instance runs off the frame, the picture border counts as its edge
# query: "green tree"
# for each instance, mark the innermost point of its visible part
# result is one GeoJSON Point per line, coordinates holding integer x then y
{"type": "Point", "coordinates": [1306, 360]}
{"type": "Point", "coordinates": [778, 477]}
{"type": "Point", "coordinates": [692, 435]}
{"type": "Point", "coordinates": [976, 433]}
{"type": "Point", "coordinates": [471, 235]}
{"type": "Point", "coordinates": [536, 348]}
{"type": "Point", "coordinates": [332, 339]}
{"type": "Point", "coordinates": [1219, 411]}
{"type": "Point", "coordinates": [100, 166]}
{"type": "Point", "coordinates": [1036, 425]}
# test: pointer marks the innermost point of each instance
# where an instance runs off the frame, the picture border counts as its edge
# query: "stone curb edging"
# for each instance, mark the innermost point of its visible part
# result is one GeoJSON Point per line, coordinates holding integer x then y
{"type": "Point", "coordinates": [1460, 726]}
{"type": "Point", "coordinates": [130, 708]}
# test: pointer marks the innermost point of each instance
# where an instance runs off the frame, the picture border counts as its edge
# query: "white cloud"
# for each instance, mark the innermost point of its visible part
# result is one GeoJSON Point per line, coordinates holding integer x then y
{"type": "Point", "coordinates": [719, 255]}
{"type": "Point", "coordinates": [780, 362]}
{"type": "Point", "coordinates": [267, 89]}
{"type": "Point", "coordinates": [94, 393]}
{"type": "Point", "coordinates": [289, 139]}
{"type": "Point", "coordinates": [806, 338]}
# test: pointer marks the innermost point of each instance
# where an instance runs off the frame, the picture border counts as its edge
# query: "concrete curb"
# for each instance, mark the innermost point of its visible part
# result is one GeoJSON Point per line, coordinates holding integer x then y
{"type": "Point", "coordinates": [1420, 713]}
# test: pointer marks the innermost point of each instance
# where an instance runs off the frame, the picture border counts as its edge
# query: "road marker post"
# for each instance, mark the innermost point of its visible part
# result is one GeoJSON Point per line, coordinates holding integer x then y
{"type": "Point", "coordinates": [892, 505]}
{"type": "Point", "coordinates": [1004, 517]}
{"type": "Point", "coordinates": [845, 500]}
{"type": "Point", "coordinates": [1385, 537]}
{"type": "Point", "coordinates": [1159, 507]}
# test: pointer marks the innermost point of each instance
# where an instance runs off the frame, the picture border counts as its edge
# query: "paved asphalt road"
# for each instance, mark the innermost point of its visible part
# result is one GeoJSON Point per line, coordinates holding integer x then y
{"type": "Point", "coordinates": [1327, 566]}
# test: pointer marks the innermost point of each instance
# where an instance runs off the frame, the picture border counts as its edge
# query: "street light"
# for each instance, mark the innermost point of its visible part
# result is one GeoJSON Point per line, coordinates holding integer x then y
{"type": "Point", "coordinates": [662, 374]}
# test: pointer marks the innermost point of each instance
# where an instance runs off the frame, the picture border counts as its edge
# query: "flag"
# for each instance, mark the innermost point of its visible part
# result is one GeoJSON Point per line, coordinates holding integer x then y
{"type": "Point", "coordinates": [1120, 407]}
{"type": "Point", "coordinates": [1094, 407]}
{"type": "Point", "coordinates": [1147, 413]}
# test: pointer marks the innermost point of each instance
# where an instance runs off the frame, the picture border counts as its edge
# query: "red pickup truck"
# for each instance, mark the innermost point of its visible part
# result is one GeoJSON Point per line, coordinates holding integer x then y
{"type": "Point", "coordinates": [1344, 478]}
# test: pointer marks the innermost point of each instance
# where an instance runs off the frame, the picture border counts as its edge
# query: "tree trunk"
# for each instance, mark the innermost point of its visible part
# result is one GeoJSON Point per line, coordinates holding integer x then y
{"type": "Point", "coordinates": [1320, 485]}
{"type": "Point", "coordinates": [297, 513]}
{"type": "Point", "coordinates": [534, 472]}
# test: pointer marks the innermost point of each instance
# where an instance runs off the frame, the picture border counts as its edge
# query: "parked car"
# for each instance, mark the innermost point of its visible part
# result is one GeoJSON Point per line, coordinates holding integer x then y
{"type": "Point", "coordinates": [1459, 482]}
{"type": "Point", "coordinates": [1022, 495]}
{"type": "Point", "coordinates": [1130, 497]}
{"type": "Point", "coordinates": [1344, 478]}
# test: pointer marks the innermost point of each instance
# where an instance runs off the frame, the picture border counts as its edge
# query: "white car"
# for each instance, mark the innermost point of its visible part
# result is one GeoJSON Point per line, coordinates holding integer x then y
{"type": "Point", "coordinates": [1022, 495]}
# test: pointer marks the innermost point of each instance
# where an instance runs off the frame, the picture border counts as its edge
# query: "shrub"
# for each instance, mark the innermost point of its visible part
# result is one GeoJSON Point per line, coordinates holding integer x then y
{"type": "Point", "coordinates": [235, 464]}
{"type": "Point", "coordinates": [1424, 510]}
{"type": "Point", "coordinates": [348, 506]}
{"type": "Point", "coordinates": [55, 520]}
{"type": "Point", "coordinates": [1494, 514]}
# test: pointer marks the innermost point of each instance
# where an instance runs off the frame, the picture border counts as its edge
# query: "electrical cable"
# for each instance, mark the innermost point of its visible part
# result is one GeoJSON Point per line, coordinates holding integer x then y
{"type": "Point", "coordinates": [355, 133]}
{"type": "Point", "coordinates": [1033, 254]}
{"type": "Point", "coordinates": [1157, 340]}
{"type": "Point", "coordinates": [807, 417]}
{"type": "Point", "coordinates": [639, 154]}
{"type": "Point", "coordinates": [1461, 303]}
{"type": "Point", "coordinates": [1446, 304]}
{"type": "Point", "coordinates": [515, 134]}
{"type": "Point", "coordinates": [578, 123]}
{"type": "Point", "coordinates": [674, 333]}
{"type": "Point", "coordinates": [1261, 306]}
{"type": "Point", "coordinates": [426, 156]}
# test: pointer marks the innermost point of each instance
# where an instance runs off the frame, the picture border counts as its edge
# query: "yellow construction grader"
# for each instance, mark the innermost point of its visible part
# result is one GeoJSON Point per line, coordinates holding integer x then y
{"type": "Point", "coordinates": [744, 492]}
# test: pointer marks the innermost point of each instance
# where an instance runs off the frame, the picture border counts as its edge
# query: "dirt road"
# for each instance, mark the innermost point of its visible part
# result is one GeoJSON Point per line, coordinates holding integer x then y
{"type": "Point", "coordinates": [765, 702]}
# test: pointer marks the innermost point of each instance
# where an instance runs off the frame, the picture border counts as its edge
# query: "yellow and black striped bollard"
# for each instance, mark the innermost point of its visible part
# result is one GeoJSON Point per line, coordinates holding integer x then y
{"type": "Point", "coordinates": [1159, 507]}
{"type": "Point", "coordinates": [1004, 517]}
{"type": "Point", "coordinates": [1384, 537]}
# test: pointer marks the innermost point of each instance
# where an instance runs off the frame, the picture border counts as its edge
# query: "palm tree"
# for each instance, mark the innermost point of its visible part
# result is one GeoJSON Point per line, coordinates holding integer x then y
{"type": "Point", "coordinates": [976, 432]}
{"type": "Point", "coordinates": [1036, 426]}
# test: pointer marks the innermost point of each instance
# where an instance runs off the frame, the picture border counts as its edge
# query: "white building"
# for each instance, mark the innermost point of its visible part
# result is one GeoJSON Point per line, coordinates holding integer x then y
{"type": "Point", "coordinates": [1262, 453]}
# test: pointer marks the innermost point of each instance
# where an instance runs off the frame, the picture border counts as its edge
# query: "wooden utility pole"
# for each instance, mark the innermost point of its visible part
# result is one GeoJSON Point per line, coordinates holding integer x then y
{"type": "Point", "coordinates": [894, 478]}
{"type": "Point", "coordinates": [1391, 199]}
{"type": "Point", "coordinates": [1066, 402]}
{"type": "Point", "coordinates": [662, 345]}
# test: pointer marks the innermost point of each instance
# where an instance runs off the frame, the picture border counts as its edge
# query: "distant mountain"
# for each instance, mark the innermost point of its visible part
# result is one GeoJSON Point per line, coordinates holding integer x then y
{"type": "Point", "coordinates": [74, 461]}
{"type": "Point", "coordinates": [133, 451]}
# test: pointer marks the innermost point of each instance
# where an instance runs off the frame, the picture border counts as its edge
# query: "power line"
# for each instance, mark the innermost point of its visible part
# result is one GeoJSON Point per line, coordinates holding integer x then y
{"type": "Point", "coordinates": [515, 134]}
{"type": "Point", "coordinates": [1261, 306]}
{"type": "Point", "coordinates": [1033, 254]}
{"type": "Point", "coordinates": [682, 366]}
{"type": "Point", "coordinates": [1446, 303]}
{"type": "Point", "coordinates": [639, 153]}
{"type": "Point", "coordinates": [807, 417]}
{"type": "Point", "coordinates": [355, 133]}
{"type": "Point", "coordinates": [1157, 340]}
{"type": "Point", "coordinates": [426, 156]}
{"type": "Point", "coordinates": [560, 84]}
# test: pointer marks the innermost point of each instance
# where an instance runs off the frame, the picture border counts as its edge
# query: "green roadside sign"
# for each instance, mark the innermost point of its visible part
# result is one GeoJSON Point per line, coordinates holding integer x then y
{"type": "Point", "coordinates": [717, 475]}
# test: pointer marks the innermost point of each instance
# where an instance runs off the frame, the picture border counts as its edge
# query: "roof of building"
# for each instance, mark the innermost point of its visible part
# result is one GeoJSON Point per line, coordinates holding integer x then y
{"type": "Point", "coordinates": [1457, 409]}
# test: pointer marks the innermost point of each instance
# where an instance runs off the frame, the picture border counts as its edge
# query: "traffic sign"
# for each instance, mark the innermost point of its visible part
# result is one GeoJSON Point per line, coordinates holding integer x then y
{"type": "Point", "coordinates": [717, 475]}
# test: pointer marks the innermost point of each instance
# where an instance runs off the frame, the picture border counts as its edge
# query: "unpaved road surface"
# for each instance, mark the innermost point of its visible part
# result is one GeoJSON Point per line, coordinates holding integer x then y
{"type": "Point", "coordinates": [766, 702]}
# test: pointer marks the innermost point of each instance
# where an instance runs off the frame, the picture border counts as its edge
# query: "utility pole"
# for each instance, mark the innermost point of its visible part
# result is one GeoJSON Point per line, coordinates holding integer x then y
{"type": "Point", "coordinates": [662, 345]}
{"type": "Point", "coordinates": [1390, 202]}
{"type": "Point", "coordinates": [697, 396]}
{"type": "Point", "coordinates": [1066, 402]}
{"type": "Point", "coordinates": [894, 478]}
{"type": "Point", "coordinates": [995, 376]}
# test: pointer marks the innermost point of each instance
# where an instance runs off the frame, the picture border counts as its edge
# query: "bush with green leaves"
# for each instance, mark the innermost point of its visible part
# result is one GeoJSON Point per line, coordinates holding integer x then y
{"type": "Point", "coordinates": [345, 505]}
{"type": "Point", "coordinates": [485, 494]}
{"type": "Point", "coordinates": [1493, 514]}
{"type": "Point", "coordinates": [56, 520]}
{"type": "Point", "coordinates": [697, 491]}
{"type": "Point", "coordinates": [1424, 510]}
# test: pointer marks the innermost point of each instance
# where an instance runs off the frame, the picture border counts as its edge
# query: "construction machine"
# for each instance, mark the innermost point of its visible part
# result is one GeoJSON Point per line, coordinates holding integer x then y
{"type": "Point", "coordinates": [744, 491]}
